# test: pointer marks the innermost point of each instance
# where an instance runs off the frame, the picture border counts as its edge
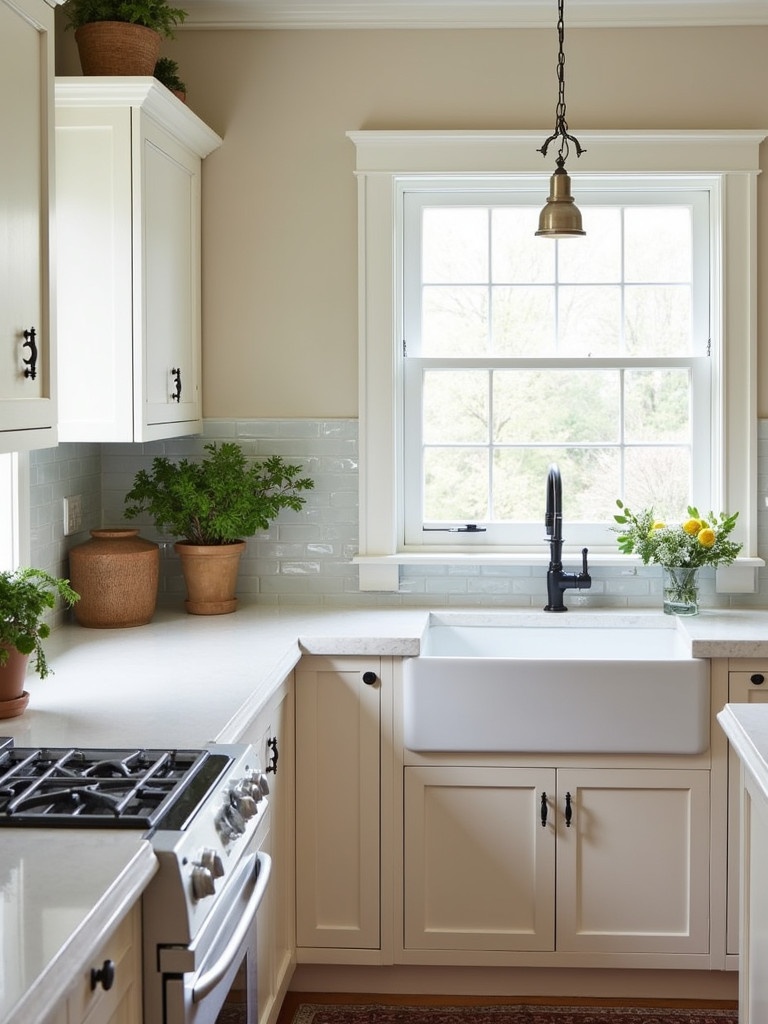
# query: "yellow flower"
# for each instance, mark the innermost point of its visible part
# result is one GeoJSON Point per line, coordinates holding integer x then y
{"type": "Point", "coordinates": [692, 526]}
{"type": "Point", "coordinates": [707, 537]}
{"type": "Point", "coordinates": [658, 525]}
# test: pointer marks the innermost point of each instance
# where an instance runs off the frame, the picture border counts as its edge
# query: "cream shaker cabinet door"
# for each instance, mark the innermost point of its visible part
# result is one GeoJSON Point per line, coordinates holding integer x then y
{"type": "Point", "coordinates": [120, 958]}
{"type": "Point", "coordinates": [633, 866]}
{"type": "Point", "coordinates": [271, 735]}
{"type": "Point", "coordinates": [338, 713]}
{"type": "Point", "coordinates": [744, 687]}
{"type": "Point", "coordinates": [128, 177]}
{"type": "Point", "coordinates": [27, 379]}
{"type": "Point", "coordinates": [479, 858]}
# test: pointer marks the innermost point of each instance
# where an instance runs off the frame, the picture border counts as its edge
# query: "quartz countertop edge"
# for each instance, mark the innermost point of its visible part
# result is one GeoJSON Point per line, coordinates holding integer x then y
{"type": "Point", "coordinates": [106, 891]}
{"type": "Point", "coordinates": [746, 726]}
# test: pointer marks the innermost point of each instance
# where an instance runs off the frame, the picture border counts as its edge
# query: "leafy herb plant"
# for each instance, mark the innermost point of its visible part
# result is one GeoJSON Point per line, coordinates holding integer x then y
{"type": "Point", "coordinates": [218, 500]}
{"type": "Point", "coordinates": [25, 596]}
{"type": "Point", "coordinates": [167, 73]}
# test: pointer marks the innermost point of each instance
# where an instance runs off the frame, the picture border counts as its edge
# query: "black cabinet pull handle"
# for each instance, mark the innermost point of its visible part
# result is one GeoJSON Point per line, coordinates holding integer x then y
{"type": "Point", "coordinates": [30, 343]}
{"type": "Point", "coordinates": [272, 744]}
{"type": "Point", "coordinates": [568, 810]}
{"type": "Point", "coordinates": [176, 393]}
{"type": "Point", "coordinates": [104, 975]}
{"type": "Point", "coordinates": [543, 810]}
{"type": "Point", "coordinates": [369, 678]}
{"type": "Point", "coordinates": [758, 679]}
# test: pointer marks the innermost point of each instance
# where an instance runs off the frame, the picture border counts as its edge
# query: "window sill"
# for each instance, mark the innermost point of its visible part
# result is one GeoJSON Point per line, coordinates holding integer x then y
{"type": "Point", "coordinates": [382, 572]}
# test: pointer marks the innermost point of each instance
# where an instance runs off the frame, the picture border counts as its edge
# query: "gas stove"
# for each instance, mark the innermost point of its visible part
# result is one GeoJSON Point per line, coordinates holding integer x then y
{"type": "Point", "coordinates": [204, 813]}
{"type": "Point", "coordinates": [105, 788]}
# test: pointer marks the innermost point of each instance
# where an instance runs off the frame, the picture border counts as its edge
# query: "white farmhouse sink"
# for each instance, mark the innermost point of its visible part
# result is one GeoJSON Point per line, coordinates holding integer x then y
{"type": "Point", "coordinates": [533, 684]}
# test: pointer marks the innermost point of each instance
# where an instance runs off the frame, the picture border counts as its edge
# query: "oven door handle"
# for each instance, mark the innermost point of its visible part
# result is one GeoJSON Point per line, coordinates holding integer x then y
{"type": "Point", "coordinates": [208, 981]}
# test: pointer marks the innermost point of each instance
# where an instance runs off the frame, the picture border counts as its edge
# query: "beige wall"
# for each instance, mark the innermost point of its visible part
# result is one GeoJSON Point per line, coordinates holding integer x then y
{"type": "Point", "coordinates": [279, 246]}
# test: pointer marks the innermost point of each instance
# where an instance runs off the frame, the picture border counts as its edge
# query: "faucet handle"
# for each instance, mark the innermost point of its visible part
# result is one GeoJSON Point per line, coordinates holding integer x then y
{"type": "Point", "coordinates": [584, 566]}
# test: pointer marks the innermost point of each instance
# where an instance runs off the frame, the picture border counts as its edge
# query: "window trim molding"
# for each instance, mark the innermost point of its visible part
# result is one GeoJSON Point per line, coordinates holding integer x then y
{"type": "Point", "coordinates": [383, 157]}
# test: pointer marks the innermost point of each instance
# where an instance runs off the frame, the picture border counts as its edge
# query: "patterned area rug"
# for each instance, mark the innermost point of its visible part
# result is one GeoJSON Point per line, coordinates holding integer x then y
{"type": "Point", "coordinates": [519, 1014]}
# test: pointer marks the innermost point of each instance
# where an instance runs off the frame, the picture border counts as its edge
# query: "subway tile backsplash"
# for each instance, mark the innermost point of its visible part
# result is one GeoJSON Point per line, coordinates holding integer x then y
{"type": "Point", "coordinates": [306, 557]}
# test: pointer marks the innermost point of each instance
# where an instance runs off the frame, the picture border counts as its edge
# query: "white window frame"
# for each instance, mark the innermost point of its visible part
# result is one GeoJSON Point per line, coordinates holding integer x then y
{"type": "Point", "coordinates": [728, 159]}
{"type": "Point", "coordinates": [14, 509]}
{"type": "Point", "coordinates": [701, 193]}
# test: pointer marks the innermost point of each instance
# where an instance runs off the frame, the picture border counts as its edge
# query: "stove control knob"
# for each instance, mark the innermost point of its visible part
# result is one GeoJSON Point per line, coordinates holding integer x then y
{"type": "Point", "coordinates": [212, 861]}
{"type": "Point", "coordinates": [202, 882]}
{"type": "Point", "coordinates": [258, 783]}
{"type": "Point", "coordinates": [243, 803]}
{"type": "Point", "coordinates": [234, 820]}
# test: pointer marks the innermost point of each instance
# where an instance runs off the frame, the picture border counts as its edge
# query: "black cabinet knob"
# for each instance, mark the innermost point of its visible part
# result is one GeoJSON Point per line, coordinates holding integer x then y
{"type": "Point", "coordinates": [104, 975]}
{"type": "Point", "coordinates": [369, 678]}
{"type": "Point", "coordinates": [758, 679]}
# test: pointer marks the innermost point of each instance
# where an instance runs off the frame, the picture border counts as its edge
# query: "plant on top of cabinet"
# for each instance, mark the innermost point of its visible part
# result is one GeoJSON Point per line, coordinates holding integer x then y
{"type": "Point", "coordinates": [121, 37]}
{"type": "Point", "coordinates": [211, 505]}
{"type": "Point", "coordinates": [167, 73]}
{"type": "Point", "coordinates": [25, 596]}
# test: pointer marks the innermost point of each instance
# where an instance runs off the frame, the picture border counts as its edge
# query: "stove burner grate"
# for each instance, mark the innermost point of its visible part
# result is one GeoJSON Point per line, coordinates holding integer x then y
{"type": "Point", "coordinates": [95, 788]}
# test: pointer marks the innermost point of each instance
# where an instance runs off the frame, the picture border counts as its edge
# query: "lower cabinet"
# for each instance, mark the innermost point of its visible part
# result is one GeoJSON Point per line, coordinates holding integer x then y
{"type": "Point", "coordinates": [567, 860]}
{"type": "Point", "coordinates": [338, 774]}
{"type": "Point", "coordinates": [89, 1001]}
{"type": "Point", "coordinates": [271, 734]}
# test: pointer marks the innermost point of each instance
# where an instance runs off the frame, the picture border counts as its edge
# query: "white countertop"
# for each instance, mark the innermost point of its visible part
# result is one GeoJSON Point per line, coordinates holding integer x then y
{"type": "Point", "coordinates": [184, 680]}
{"type": "Point", "coordinates": [746, 726]}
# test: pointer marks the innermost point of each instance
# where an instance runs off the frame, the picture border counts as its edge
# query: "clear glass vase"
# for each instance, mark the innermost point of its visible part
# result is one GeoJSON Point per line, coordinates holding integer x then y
{"type": "Point", "coordinates": [681, 590]}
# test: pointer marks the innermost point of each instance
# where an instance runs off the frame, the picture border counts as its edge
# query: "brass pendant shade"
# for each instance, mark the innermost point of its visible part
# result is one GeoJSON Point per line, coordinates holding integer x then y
{"type": "Point", "coordinates": [560, 217]}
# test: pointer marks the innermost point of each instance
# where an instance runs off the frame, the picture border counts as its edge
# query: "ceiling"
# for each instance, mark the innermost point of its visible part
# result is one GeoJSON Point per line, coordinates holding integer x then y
{"type": "Point", "coordinates": [319, 14]}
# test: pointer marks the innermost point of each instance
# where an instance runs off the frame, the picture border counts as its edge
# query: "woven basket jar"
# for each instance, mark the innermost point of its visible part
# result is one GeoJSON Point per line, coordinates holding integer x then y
{"type": "Point", "coordinates": [117, 48]}
{"type": "Point", "coordinates": [116, 574]}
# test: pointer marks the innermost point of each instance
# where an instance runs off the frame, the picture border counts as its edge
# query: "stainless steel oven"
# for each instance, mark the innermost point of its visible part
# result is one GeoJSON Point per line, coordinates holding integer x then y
{"type": "Point", "coordinates": [204, 811]}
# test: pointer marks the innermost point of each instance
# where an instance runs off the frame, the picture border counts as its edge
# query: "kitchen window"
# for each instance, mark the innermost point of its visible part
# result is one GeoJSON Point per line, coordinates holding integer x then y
{"type": "Point", "coordinates": [518, 351]}
{"type": "Point", "coordinates": [626, 356]}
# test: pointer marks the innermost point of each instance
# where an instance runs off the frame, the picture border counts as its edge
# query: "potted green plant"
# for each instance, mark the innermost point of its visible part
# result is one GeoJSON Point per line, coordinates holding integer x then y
{"type": "Point", "coordinates": [25, 596]}
{"type": "Point", "coordinates": [167, 73]}
{"type": "Point", "coordinates": [120, 37]}
{"type": "Point", "coordinates": [211, 505]}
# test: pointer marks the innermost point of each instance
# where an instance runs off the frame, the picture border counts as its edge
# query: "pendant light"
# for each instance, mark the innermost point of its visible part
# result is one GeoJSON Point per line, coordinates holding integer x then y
{"type": "Point", "coordinates": [560, 217]}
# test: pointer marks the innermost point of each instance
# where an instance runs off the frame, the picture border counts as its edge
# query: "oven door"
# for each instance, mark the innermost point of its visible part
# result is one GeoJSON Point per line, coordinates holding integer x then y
{"type": "Point", "coordinates": [197, 978]}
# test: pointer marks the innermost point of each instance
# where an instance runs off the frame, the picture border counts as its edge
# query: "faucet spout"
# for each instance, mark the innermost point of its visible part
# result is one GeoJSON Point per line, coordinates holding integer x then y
{"type": "Point", "coordinates": [558, 581]}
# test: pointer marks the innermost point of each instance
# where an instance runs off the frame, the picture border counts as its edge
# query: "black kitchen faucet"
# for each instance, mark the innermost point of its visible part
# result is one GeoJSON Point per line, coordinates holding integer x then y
{"type": "Point", "coordinates": [558, 580]}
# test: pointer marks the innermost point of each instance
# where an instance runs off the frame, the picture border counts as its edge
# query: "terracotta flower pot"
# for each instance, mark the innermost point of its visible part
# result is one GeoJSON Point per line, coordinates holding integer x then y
{"type": "Point", "coordinates": [13, 697]}
{"type": "Point", "coordinates": [210, 574]}
{"type": "Point", "coordinates": [117, 48]}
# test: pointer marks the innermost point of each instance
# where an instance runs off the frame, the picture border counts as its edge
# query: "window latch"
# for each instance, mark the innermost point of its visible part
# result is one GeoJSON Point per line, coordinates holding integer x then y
{"type": "Point", "coordinates": [468, 528]}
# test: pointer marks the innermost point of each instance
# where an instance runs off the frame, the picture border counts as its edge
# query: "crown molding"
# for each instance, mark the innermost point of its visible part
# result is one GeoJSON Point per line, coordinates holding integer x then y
{"type": "Point", "coordinates": [467, 14]}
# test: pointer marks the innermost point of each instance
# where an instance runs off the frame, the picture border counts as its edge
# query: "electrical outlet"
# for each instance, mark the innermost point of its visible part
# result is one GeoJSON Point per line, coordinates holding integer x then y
{"type": "Point", "coordinates": [73, 514]}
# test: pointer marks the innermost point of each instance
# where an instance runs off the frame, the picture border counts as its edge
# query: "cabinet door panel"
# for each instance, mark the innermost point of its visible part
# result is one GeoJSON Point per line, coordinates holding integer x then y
{"type": "Point", "coordinates": [27, 417]}
{"type": "Point", "coordinates": [337, 805]}
{"type": "Point", "coordinates": [741, 690]}
{"type": "Point", "coordinates": [168, 212]}
{"type": "Point", "coordinates": [479, 865]}
{"type": "Point", "coordinates": [633, 868]}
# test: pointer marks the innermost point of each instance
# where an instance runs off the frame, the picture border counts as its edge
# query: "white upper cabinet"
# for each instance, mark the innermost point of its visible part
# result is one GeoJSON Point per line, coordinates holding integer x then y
{"type": "Point", "coordinates": [27, 369]}
{"type": "Point", "coordinates": [128, 183]}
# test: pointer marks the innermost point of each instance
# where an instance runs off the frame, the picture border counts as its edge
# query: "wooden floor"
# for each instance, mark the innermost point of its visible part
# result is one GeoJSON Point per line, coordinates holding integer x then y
{"type": "Point", "coordinates": [294, 999]}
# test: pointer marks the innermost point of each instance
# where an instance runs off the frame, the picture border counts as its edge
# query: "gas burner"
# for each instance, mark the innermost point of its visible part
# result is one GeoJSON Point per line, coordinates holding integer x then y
{"type": "Point", "coordinates": [104, 788]}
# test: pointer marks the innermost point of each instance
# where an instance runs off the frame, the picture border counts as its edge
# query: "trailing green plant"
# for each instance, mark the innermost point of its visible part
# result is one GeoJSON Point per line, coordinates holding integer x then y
{"type": "Point", "coordinates": [25, 596]}
{"type": "Point", "coordinates": [218, 500]}
{"type": "Point", "coordinates": [154, 14]}
{"type": "Point", "coordinates": [167, 73]}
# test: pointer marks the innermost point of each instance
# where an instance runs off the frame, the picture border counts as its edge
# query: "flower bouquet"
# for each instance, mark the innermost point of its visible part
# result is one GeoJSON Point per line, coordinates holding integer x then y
{"type": "Point", "coordinates": [680, 548]}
